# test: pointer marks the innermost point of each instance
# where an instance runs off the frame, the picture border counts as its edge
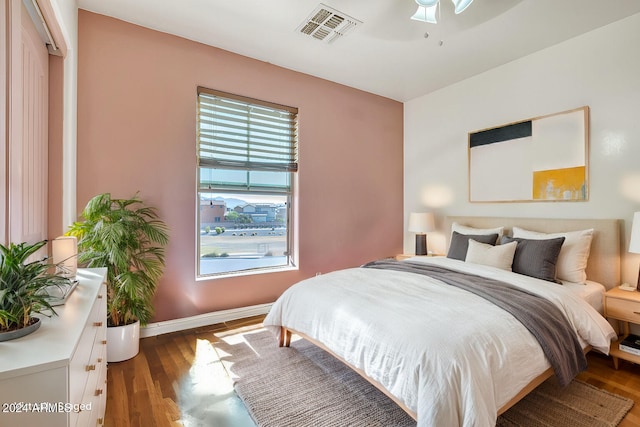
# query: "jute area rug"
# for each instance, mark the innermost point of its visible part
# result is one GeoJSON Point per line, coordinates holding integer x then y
{"type": "Point", "coordinates": [305, 386]}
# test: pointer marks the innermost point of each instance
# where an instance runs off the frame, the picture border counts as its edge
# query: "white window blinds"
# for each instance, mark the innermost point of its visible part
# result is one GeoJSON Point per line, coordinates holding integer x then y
{"type": "Point", "coordinates": [235, 132]}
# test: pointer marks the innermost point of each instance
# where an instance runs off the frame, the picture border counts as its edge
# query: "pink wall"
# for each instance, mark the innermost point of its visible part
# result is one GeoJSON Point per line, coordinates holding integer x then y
{"type": "Point", "coordinates": [137, 130]}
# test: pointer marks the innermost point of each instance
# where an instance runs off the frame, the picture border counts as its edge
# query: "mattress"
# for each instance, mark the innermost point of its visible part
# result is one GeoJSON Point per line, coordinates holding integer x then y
{"type": "Point", "coordinates": [591, 292]}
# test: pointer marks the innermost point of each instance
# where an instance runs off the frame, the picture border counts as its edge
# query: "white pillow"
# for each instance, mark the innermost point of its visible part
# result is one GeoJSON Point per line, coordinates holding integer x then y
{"type": "Point", "coordinates": [500, 256]}
{"type": "Point", "coordinates": [463, 229]}
{"type": "Point", "coordinates": [574, 254]}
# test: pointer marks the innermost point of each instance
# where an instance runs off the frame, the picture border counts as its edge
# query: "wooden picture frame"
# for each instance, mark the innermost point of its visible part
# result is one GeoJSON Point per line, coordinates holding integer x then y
{"type": "Point", "coordinates": [544, 159]}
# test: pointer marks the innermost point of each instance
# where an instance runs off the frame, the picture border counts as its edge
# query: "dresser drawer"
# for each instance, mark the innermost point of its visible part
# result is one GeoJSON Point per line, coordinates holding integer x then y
{"type": "Point", "coordinates": [78, 371]}
{"type": "Point", "coordinates": [102, 399]}
{"type": "Point", "coordinates": [90, 352]}
{"type": "Point", "coordinates": [628, 311]}
{"type": "Point", "coordinates": [95, 395]}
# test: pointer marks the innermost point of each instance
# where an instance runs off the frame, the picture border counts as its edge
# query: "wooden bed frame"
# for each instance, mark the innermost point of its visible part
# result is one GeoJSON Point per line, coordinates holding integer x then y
{"type": "Point", "coordinates": [603, 267]}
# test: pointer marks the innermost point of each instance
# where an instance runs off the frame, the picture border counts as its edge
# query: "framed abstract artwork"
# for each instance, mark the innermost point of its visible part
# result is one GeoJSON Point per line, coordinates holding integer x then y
{"type": "Point", "coordinates": [544, 159]}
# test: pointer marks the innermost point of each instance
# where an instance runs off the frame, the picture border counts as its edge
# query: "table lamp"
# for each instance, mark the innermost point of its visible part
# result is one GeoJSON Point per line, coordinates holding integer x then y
{"type": "Point", "coordinates": [64, 251]}
{"type": "Point", "coordinates": [421, 223]}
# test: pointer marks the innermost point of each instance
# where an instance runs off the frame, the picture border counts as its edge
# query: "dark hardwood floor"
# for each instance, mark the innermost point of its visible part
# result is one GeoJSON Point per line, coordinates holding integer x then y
{"type": "Point", "coordinates": [624, 381]}
{"type": "Point", "coordinates": [159, 386]}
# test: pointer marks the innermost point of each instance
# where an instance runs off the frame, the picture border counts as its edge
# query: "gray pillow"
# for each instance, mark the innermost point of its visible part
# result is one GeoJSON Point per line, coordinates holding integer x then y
{"type": "Point", "coordinates": [460, 243]}
{"type": "Point", "coordinates": [536, 258]}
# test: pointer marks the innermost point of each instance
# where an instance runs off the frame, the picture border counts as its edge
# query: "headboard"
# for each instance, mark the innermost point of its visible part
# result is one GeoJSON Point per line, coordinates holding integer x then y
{"type": "Point", "coordinates": [604, 258]}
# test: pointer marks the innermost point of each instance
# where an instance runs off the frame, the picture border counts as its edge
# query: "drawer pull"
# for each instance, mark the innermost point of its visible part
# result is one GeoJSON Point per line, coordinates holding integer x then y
{"type": "Point", "coordinates": [97, 324]}
{"type": "Point", "coordinates": [90, 368]}
{"type": "Point", "coordinates": [100, 421]}
{"type": "Point", "coordinates": [104, 342]}
{"type": "Point", "coordinates": [98, 392]}
{"type": "Point", "coordinates": [100, 296]}
{"type": "Point", "coordinates": [99, 359]}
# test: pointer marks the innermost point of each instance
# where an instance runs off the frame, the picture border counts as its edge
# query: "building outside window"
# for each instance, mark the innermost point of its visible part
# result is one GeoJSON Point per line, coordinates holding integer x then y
{"type": "Point", "coordinates": [247, 162]}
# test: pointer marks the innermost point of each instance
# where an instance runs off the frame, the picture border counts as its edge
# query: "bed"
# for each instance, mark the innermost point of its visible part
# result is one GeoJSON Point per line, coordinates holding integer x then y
{"type": "Point", "coordinates": [448, 356]}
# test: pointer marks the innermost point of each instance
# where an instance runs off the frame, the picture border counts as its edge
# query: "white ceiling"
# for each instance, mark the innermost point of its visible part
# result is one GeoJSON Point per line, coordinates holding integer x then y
{"type": "Point", "coordinates": [388, 53]}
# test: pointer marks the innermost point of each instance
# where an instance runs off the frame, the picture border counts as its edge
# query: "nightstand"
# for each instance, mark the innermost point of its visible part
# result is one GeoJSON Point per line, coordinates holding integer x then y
{"type": "Point", "coordinates": [623, 306]}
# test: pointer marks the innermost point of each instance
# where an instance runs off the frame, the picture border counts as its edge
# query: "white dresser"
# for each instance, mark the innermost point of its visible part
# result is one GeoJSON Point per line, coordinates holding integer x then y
{"type": "Point", "coordinates": [57, 376]}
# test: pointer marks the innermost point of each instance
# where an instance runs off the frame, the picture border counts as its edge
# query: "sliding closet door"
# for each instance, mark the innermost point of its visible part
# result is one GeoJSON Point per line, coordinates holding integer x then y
{"type": "Point", "coordinates": [28, 130]}
{"type": "Point", "coordinates": [5, 99]}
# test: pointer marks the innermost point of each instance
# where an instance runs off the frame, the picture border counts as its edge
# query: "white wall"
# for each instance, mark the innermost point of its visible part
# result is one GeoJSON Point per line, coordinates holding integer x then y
{"type": "Point", "coordinates": [600, 69]}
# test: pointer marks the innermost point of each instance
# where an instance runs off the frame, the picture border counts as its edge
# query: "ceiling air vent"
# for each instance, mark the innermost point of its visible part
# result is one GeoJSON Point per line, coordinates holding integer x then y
{"type": "Point", "coordinates": [327, 24]}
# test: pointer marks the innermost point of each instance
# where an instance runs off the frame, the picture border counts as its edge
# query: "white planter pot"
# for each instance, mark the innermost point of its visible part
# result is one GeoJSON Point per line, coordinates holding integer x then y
{"type": "Point", "coordinates": [123, 342]}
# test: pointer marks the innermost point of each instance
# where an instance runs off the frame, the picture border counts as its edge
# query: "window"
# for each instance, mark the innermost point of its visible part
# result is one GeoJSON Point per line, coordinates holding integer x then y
{"type": "Point", "coordinates": [247, 160]}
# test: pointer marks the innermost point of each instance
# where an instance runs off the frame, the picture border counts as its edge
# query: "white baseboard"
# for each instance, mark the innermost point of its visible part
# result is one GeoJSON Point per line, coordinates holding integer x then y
{"type": "Point", "coordinates": [175, 325]}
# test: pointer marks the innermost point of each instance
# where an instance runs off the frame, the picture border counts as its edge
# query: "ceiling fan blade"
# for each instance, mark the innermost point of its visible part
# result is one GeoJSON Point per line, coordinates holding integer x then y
{"type": "Point", "coordinates": [426, 14]}
{"type": "Point", "coordinates": [461, 5]}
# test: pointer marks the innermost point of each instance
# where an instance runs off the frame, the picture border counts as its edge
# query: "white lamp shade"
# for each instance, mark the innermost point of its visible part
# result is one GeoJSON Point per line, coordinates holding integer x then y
{"type": "Point", "coordinates": [421, 222]}
{"type": "Point", "coordinates": [634, 243]}
{"type": "Point", "coordinates": [64, 251]}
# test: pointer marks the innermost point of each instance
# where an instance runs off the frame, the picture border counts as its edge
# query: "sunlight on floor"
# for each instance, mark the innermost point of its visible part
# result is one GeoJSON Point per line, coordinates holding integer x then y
{"type": "Point", "coordinates": [206, 395]}
{"type": "Point", "coordinates": [206, 366]}
{"type": "Point", "coordinates": [240, 339]}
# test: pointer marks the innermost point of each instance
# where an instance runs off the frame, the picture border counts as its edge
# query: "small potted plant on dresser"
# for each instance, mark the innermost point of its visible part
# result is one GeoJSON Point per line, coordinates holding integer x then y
{"type": "Point", "coordinates": [128, 238]}
{"type": "Point", "coordinates": [23, 289]}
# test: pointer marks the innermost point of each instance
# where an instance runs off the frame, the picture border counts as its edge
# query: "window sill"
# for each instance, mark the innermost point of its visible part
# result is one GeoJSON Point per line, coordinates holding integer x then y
{"type": "Point", "coordinates": [245, 273]}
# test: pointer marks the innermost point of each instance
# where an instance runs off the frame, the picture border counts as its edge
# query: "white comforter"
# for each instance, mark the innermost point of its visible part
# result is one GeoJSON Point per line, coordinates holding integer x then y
{"type": "Point", "coordinates": [450, 356]}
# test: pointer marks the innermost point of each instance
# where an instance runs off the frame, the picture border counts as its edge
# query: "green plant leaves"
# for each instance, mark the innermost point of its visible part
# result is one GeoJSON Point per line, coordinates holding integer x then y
{"type": "Point", "coordinates": [128, 238]}
{"type": "Point", "coordinates": [23, 285]}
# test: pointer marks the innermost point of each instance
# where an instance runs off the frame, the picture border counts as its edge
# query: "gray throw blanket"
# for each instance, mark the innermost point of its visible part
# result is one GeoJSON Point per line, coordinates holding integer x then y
{"type": "Point", "coordinates": [543, 319]}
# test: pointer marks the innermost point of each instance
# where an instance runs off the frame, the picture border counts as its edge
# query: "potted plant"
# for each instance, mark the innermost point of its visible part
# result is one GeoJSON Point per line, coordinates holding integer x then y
{"type": "Point", "coordinates": [23, 289]}
{"type": "Point", "coordinates": [128, 238]}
